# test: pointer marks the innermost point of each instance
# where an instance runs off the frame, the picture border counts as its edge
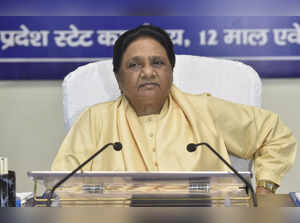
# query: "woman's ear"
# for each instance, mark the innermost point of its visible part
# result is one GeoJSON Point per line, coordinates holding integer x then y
{"type": "Point", "coordinates": [117, 75]}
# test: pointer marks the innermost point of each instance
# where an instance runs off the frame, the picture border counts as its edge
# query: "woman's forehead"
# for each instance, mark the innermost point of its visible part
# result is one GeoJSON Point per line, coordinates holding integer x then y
{"type": "Point", "coordinates": [145, 47]}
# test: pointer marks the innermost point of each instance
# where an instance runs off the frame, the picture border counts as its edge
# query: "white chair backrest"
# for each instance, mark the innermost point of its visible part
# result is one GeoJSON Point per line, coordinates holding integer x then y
{"type": "Point", "coordinates": [230, 80]}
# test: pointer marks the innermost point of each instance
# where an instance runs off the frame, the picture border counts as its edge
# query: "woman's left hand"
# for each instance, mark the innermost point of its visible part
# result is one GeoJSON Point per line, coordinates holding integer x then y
{"type": "Point", "coordinates": [262, 190]}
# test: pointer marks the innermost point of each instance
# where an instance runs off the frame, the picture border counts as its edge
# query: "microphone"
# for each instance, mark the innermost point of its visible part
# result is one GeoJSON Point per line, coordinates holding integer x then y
{"type": "Point", "coordinates": [192, 147]}
{"type": "Point", "coordinates": [117, 146]}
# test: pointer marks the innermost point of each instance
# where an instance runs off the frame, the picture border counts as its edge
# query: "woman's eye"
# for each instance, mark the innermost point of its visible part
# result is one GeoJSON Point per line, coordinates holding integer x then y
{"type": "Point", "coordinates": [158, 62]}
{"type": "Point", "coordinates": [133, 65]}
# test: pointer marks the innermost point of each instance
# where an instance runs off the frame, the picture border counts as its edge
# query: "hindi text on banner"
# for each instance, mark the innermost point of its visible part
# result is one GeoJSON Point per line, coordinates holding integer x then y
{"type": "Point", "coordinates": [25, 37]}
{"type": "Point", "coordinates": [252, 37]}
{"type": "Point", "coordinates": [73, 37]}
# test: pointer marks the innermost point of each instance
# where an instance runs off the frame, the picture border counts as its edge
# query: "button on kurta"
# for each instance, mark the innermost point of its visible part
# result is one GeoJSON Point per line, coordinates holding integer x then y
{"type": "Point", "coordinates": [151, 135]}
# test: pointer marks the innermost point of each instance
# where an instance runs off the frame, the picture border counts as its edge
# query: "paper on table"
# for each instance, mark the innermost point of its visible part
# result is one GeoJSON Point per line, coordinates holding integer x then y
{"type": "Point", "coordinates": [295, 196]}
{"type": "Point", "coordinates": [23, 197]}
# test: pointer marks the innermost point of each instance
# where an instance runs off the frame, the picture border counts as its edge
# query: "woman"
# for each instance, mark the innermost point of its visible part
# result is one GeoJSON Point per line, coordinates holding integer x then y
{"type": "Point", "coordinates": [155, 121]}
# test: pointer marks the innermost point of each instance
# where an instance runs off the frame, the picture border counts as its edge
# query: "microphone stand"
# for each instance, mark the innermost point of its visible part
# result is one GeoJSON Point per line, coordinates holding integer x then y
{"type": "Point", "coordinates": [192, 147]}
{"type": "Point", "coordinates": [117, 146]}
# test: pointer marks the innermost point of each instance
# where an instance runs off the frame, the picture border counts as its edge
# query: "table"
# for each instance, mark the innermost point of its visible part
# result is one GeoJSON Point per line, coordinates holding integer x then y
{"type": "Point", "coordinates": [276, 200]}
{"type": "Point", "coordinates": [274, 214]}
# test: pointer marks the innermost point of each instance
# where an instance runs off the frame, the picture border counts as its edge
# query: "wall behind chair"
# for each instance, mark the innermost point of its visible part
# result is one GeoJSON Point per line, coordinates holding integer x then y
{"type": "Point", "coordinates": [282, 96]}
{"type": "Point", "coordinates": [32, 128]}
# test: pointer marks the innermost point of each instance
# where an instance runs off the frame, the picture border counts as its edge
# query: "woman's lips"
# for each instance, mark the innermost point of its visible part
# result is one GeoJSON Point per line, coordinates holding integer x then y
{"type": "Point", "coordinates": [149, 85]}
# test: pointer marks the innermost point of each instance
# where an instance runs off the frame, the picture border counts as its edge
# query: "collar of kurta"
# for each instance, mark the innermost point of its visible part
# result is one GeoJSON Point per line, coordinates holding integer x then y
{"type": "Point", "coordinates": [196, 114]}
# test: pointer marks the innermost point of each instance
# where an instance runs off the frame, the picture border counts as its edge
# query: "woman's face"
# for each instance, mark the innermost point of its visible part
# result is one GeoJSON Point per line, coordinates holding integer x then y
{"type": "Point", "coordinates": [145, 73]}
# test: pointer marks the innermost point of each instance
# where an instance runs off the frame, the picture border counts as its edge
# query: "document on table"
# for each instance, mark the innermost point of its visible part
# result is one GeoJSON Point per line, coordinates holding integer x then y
{"type": "Point", "coordinates": [295, 196]}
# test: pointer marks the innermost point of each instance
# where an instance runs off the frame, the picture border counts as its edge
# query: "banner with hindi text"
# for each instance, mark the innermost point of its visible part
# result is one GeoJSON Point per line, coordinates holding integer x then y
{"type": "Point", "coordinates": [44, 48]}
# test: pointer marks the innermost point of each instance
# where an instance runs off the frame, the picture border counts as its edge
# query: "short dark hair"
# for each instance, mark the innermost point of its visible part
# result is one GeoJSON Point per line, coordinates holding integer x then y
{"type": "Point", "coordinates": [131, 35]}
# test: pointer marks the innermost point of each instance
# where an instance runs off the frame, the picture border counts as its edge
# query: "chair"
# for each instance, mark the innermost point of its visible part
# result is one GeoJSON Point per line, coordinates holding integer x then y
{"type": "Point", "coordinates": [230, 80]}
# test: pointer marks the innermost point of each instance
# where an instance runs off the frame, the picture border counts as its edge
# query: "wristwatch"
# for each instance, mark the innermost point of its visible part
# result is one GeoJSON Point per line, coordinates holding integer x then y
{"type": "Point", "coordinates": [270, 186]}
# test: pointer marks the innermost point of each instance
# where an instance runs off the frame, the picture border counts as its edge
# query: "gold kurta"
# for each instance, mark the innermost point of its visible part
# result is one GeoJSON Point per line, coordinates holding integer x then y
{"type": "Point", "coordinates": [158, 142]}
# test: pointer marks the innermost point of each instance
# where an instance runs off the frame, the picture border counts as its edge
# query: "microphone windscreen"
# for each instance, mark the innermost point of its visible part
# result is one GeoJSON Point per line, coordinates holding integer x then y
{"type": "Point", "coordinates": [117, 146]}
{"type": "Point", "coordinates": [191, 147]}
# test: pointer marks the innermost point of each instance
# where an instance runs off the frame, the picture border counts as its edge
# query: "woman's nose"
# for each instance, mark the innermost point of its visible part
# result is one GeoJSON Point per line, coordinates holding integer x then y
{"type": "Point", "coordinates": [148, 71]}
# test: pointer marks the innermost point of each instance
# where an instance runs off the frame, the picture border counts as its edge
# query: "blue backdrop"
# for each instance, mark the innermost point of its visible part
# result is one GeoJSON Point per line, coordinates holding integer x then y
{"type": "Point", "coordinates": [40, 47]}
